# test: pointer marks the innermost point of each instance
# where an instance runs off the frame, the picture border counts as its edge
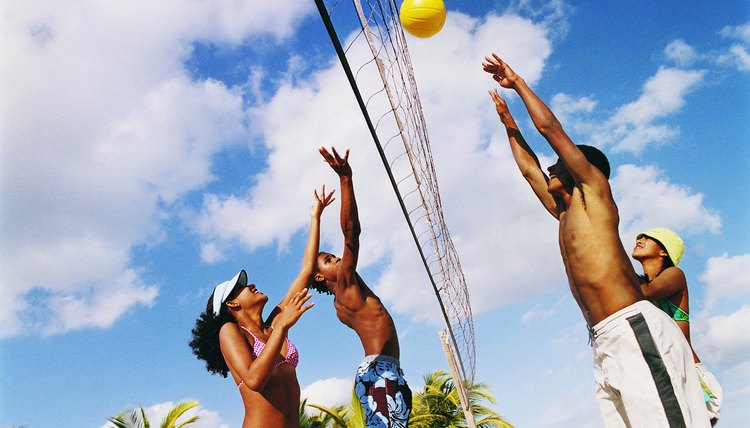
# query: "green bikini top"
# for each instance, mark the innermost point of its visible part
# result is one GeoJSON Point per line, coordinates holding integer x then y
{"type": "Point", "coordinates": [673, 310]}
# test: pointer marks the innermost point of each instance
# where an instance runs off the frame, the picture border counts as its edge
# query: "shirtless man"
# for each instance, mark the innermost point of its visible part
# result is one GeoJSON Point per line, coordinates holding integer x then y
{"type": "Point", "coordinates": [642, 362]}
{"type": "Point", "coordinates": [379, 383]}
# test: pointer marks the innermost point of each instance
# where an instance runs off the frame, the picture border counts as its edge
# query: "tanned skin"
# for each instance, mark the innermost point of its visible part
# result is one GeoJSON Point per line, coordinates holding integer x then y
{"type": "Point", "coordinates": [270, 393]}
{"type": "Point", "coordinates": [578, 195]}
{"type": "Point", "coordinates": [662, 280]}
{"type": "Point", "coordinates": [356, 305]}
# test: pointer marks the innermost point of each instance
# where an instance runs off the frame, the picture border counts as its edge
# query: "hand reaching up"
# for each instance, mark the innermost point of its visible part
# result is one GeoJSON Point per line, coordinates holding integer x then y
{"type": "Point", "coordinates": [500, 71]}
{"type": "Point", "coordinates": [321, 201]}
{"type": "Point", "coordinates": [501, 107]}
{"type": "Point", "coordinates": [339, 164]}
{"type": "Point", "coordinates": [292, 311]}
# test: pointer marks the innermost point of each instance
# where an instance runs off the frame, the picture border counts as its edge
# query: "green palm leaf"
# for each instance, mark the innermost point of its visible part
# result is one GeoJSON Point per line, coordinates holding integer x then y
{"type": "Point", "coordinates": [170, 421]}
{"type": "Point", "coordinates": [438, 405]}
{"type": "Point", "coordinates": [136, 418]}
{"type": "Point", "coordinates": [338, 414]}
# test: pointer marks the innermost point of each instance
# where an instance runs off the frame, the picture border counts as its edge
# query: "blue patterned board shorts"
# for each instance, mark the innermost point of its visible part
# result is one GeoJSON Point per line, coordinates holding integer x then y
{"type": "Point", "coordinates": [383, 392]}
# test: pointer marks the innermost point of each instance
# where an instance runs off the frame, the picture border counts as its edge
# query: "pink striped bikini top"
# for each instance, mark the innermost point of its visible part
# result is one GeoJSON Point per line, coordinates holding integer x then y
{"type": "Point", "coordinates": [291, 358]}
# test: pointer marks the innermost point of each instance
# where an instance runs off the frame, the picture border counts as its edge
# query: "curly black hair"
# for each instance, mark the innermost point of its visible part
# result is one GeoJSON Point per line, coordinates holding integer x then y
{"type": "Point", "coordinates": [319, 286]}
{"type": "Point", "coordinates": [205, 343]}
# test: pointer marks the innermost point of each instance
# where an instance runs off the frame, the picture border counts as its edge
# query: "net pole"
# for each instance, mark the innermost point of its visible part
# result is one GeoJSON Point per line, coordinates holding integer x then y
{"type": "Point", "coordinates": [457, 381]}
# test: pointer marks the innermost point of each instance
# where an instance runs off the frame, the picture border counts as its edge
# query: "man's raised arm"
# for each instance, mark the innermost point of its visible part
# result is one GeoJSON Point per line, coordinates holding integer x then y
{"type": "Point", "coordinates": [544, 120]}
{"type": "Point", "coordinates": [525, 158]}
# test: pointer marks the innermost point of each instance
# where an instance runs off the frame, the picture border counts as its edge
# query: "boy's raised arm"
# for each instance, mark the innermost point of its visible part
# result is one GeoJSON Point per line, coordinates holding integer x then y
{"type": "Point", "coordinates": [350, 226]}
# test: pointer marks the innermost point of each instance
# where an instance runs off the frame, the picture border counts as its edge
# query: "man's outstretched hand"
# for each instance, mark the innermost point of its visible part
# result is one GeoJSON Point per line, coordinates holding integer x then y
{"type": "Point", "coordinates": [339, 164]}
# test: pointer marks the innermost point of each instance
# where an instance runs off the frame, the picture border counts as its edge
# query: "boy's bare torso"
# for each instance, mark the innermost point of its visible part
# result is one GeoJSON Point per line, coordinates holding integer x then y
{"type": "Point", "coordinates": [361, 310]}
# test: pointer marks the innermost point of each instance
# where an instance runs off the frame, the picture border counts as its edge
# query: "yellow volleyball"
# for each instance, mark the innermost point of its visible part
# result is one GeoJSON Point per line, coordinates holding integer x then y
{"type": "Point", "coordinates": [422, 18]}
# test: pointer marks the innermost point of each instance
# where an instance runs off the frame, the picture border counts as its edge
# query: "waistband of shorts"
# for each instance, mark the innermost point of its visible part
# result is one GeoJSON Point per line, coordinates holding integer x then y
{"type": "Point", "coordinates": [380, 358]}
{"type": "Point", "coordinates": [640, 306]}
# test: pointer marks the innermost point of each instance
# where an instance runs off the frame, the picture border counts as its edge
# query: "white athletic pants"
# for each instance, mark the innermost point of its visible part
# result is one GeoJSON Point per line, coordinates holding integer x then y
{"type": "Point", "coordinates": [644, 371]}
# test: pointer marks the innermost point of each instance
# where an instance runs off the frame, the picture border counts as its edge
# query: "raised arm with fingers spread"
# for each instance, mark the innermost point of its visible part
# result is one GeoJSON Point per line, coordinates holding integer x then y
{"type": "Point", "coordinates": [255, 372]}
{"type": "Point", "coordinates": [350, 226]}
{"type": "Point", "coordinates": [526, 159]}
{"type": "Point", "coordinates": [309, 258]}
{"type": "Point", "coordinates": [545, 121]}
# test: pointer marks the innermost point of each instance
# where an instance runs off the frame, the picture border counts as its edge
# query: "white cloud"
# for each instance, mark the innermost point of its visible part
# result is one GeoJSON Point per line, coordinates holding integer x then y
{"type": "Point", "coordinates": [329, 392]}
{"type": "Point", "coordinates": [540, 312]}
{"type": "Point", "coordinates": [552, 14]}
{"type": "Point", "coordinates": [738, 32]}
{"type": "Point", "coordinates": [634, 126]}
{"type": "Point", "coordinates": [646, 199]}
{"type": "Point", "coordinates": [567, 107]}
{"type": "Point", "coordinates": [663, 94]}
{"type": "Point", "coordinates": [212, 253]}
{"type": "Point", "coordinates": [98, 306]}
{"type": "Point", "coordinates": [726, 340]}
{"type": "Point", "coordinates": [681, 53]}
{"type": "Point", "coordinates": [737, 55]}
{"type": "Point", "coordinates": [103, 131]}
{"type": "Point", "coordinates": [726, 278]}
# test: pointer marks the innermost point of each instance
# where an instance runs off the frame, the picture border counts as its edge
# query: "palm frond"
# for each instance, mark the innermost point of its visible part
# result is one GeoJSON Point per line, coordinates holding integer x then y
{"type": "Point", "coordinates": [338, 414]}
{"type": "Point", "coordinates": [144, 419]}
{"type": "Point", "coordinates": [188, 422]}
{"type": "Point", "coordinates": [170, 420]}
{"type": "Point", "coordinates": [118, 421]}
{"type": "Point", "coordinates": [356, 413]}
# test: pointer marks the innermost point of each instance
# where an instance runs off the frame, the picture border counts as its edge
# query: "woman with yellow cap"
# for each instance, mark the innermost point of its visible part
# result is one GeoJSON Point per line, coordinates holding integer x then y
{"type": "Point", "coordinates": [659, 251]}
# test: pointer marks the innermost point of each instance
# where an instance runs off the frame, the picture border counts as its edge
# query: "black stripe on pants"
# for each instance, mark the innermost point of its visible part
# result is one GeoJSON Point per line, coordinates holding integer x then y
{"type": "Point", "coordinates": [658, 370]}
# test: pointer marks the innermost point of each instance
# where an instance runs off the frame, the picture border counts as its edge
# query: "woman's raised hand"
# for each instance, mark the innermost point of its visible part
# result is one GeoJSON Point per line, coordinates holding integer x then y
{"type": "Point", "coordinates": [321, 201]}
{"type": "Point", "coordinates": [293, 310]}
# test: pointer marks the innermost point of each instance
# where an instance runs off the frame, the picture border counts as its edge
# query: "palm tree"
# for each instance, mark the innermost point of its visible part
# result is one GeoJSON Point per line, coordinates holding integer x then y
{"type": "Point", "coordinates": [308, 421]}
{"type": "Point", "coordinates": [438, 405]}
{"type": "Point", "coordinates": [342, 416]}
{"type": "Point", "coordinates": [137, 417]}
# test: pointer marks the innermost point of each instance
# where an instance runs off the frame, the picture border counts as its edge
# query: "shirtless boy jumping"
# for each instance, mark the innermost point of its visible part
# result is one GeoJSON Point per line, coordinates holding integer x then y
{"type": "Point", "coordinates": [642, 362]}
{"type": "Point", "coordinates": [379, 383]}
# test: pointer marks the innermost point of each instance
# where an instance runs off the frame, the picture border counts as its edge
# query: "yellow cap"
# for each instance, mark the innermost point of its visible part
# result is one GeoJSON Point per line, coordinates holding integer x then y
{"type": "Point", "coordinates": [669, 240]}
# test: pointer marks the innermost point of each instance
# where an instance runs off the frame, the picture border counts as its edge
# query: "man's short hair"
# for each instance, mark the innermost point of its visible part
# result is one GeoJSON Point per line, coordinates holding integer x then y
{"type": "Point", "coordinates": [596, 158]}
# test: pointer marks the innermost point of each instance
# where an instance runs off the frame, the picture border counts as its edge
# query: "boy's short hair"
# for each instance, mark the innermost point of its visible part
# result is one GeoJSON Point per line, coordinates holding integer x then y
{"type": "Point", "coordinates": [319, 286]}
{"type": "Point", "coordinates": [596, 158]}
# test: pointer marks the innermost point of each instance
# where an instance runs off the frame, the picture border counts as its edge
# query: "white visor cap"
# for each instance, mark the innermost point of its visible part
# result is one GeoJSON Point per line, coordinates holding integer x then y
{"type": "Point", "coordinates": [223, 290]}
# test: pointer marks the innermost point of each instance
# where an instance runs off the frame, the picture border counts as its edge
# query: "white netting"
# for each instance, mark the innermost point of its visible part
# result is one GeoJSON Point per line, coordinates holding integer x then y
{"type": "Point", "coordinates": [400, 133]}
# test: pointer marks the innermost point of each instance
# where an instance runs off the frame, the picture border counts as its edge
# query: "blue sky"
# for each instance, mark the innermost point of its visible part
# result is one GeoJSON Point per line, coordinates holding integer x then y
{"type": "Point", "coordinates": [150, 150]}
